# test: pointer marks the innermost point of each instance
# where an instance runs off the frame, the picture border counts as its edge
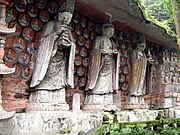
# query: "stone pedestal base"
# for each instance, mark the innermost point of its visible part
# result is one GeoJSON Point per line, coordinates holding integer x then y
{"type": "Point", "coordinates": [99, 102]}
{"type": "Point", "coordinates": [136, 106]}
{"type": "Point", "coordinates": [6, 115]}
{"type": "Point", "coordinates": [93, 107]}
{"type": "Point", "coordinates": [46, 107]}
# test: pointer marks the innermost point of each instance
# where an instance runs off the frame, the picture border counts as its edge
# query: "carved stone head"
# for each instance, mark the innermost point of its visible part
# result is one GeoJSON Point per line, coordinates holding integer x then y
{"type": "Point", "coordinates": [65, 17]}
{"type": "Point", "coordinates": [108, 30]}
{"type": "Point", "coordinates": [141, 43]}
{"type": "Point", "coordinates": [66, 11]}
{"type": "Point", "coordinates": [141, 46]}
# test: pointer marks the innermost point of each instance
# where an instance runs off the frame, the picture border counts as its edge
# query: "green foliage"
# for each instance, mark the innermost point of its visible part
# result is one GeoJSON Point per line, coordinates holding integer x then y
{"type": "Point", "coordinates": [156, 127]}
{"type": "Point", "coordinates": [102, 130]}
{"type": "Point", "coordinates": [105, 118]}
{"type": "Point", "coordinates": [158, 12]}
{"type": "Point", "coordinates": [64, 131]}
{"type": "Point", "coordinates": [160, 127]}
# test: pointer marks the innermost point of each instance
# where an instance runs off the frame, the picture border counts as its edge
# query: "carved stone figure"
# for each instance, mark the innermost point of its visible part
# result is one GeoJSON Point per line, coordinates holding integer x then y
{"type": "Point", "coordinates": [4, 30]}
{"type": "Point", "coordinates": [103, 71]}
{"type": "Point", "coordinates": [140, 73]}
{"type": "Point", "coordinates": [9, 56]}
{"type": "Point", "coordinates": [167, 78]}
{"type": "Point", "coordinates": [54, 67]}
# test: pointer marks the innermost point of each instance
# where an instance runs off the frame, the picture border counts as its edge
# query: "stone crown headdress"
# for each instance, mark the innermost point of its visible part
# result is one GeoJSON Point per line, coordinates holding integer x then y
{"type": "Point", "coordinates": [107, 25]}
{"type": "Point", "coordinates": [68, 6]}
{"type": "Point", "coordinates": [142, 38]}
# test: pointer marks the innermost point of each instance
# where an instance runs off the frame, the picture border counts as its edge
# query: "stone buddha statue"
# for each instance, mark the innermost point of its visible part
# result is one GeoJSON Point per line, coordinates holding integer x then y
{"type": "Point", "coordinates": [103, 71]}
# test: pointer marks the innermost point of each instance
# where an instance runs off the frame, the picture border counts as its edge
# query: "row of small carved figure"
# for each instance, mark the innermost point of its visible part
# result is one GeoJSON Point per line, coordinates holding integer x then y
{"type": "Point", "coordinates": [171, 72]}
{"type": "Point", "coordinates": [171, 79]}
{"type": "Point", "coordinates": [171, 67]}
{"type": "Point", "coordinates": [171, 56]}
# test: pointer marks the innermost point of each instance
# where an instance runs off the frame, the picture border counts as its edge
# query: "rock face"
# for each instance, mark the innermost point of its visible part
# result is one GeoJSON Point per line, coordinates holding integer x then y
{"type": "Point", "coordinates": [21, 49]}
{"type": "Point", "coordinates": [67, 122]}
{"type": "Point", "coordinates": [43, 123]}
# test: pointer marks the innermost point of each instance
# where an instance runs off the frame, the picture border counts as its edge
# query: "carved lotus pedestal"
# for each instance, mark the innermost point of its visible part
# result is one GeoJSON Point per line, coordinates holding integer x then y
{"type": "Point", "coordinates": [99, 102]}
{"type": "Point", "coordinates": [91, 107]}
{"type": "Point", "coordinates": [136, 106]}
{"type": "Point", "coordinates": [47, 107]}
{"type": "Point", "coordinates": [47, 101]}
{"type": "Point", "coordinates": [136, 102]}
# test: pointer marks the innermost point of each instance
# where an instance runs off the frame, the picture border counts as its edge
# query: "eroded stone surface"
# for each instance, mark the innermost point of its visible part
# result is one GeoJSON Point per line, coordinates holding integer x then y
{"type": "Point", "coordinates": [47, 123]}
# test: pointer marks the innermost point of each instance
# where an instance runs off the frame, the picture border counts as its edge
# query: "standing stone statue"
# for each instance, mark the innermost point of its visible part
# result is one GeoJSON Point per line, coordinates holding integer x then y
{"type": "Point", "coordinates": [140, 72]}
{"type": "Point", "coordinates": [54, 67]}
{"type": "Point", "coordinates": [103, 72]}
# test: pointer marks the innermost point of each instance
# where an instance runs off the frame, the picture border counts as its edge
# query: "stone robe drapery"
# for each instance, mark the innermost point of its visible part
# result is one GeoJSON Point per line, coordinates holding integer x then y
{"type": "Point", "coordinates": [101, 80]}
{"type": "Point", "coordinates": [139, 78]}
{"type": "Point", "coordinates": [45, 58]}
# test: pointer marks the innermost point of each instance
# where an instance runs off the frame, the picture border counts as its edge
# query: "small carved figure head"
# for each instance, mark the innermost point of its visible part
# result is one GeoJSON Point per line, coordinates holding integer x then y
{"type": "Point", "coordinates": [108, 30]}
{"type": "Point", "coordinates": [65, 17]}
{"type": "Point", "coordinates": [174, 79]}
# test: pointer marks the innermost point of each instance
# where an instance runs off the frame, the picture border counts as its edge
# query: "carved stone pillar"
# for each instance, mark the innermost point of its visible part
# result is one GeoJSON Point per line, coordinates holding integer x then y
{"type": "Point", "coordinates": [4, 31]}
